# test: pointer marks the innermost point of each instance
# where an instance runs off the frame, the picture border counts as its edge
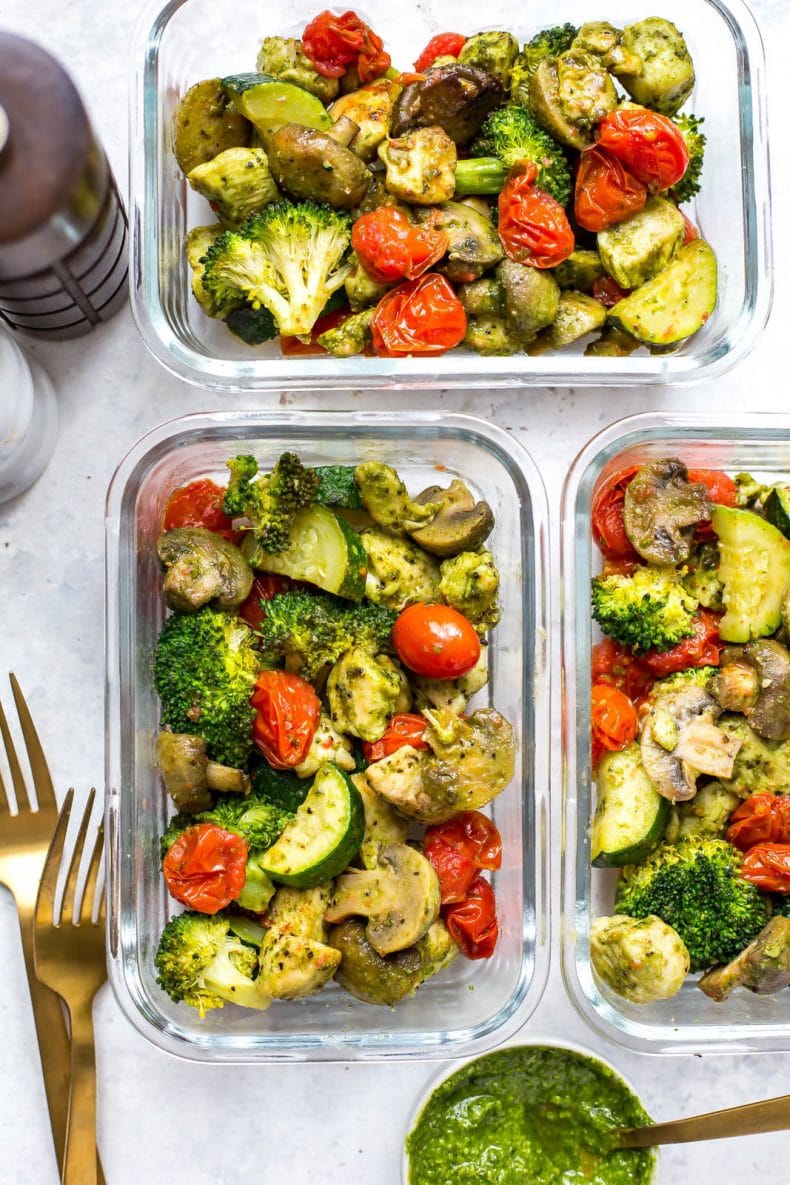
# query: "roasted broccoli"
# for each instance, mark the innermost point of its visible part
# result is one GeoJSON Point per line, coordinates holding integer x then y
{"type": "Point", "coordinates": [689, 184]}
{"type": "Point", "coordinates": [511, 135]}
{"type": "Point", "coordinates": [270, 501]}
{"type": "Point", "coordinates": [253, 326]}
{"type": "Point", "coordinates": [549, 43]}
{"type": "Point", "coordinates": [252, 816]}
{"type": "Point", "coordinates": [202, 963]}
{"type": "Point", "coordinates": [694, 887]}
{"type": "Point", "coordinates": [288, 258]}
{"type": "Point", "coordinates": [282, 788]}
{"type": "Point", "coordinates": [312, 630]}
{"type": "Point", "coordinates": [204, 670]}
{"type": "Point", "coordinates": [649, 610]}
{"type": "Point", "coordinates": [338, 487]}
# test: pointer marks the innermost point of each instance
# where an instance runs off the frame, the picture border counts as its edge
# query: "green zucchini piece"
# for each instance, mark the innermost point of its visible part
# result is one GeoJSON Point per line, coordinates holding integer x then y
{"type": "Point", "coordinates": [323, 550]}
{"type": "Point", "coordinates": [269, 103]}
{"type": "Point", "coordinates": [630, 817]}
{"type": "Point", "coordinates": [676, 303]}
{"type": "Point", "coordinates": [324, 837]}
{"type": "Point", "coordinates": [246, 929]}
{"type": "Point", "coordinates": [636, 250]}
{"type": "Point", "coordinates": [754, 567]}
{"type": "Point", "coordinates": [777, 509]}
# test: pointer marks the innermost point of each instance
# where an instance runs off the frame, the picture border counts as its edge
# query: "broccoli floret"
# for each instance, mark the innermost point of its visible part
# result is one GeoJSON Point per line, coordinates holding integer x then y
{"type": "Point", "coordinates": [288, 258]}
{"type": "Point", "coordinates": [688, 186]}
{"type": "Point", "coordinates": [253, 817]}
{"type": "Point", "coordinates": [202, 963]}
{"type": "Point", "coordinates": [548, 43]}
{"type": "Point", "coordinates": [694, 886]}
{"type": "Point", "coordinates": [511, 135]}
{"type": "Point", "coordinates": [692, 676]}
{"type": "Point", "coordinates": [284, 789]}
{"type": "Point", "coordinates": [204, 670]}
{"type": "Point", "coordinates": [338, 487]}
{"type": "Point", "coordinates": [649, 610]}
{"type": "Point", "coordinates": [310, 631]}
{"type": "Point", "coordinates": [270, 501]}
{"type": "Point", "coordinates": [782, 905]}
{"type": "Point", "coordinates": [253, 326]}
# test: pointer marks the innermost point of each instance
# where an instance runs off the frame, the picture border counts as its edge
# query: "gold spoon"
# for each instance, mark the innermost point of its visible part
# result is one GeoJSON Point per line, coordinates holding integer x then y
{"type": "Point", "coordinates": [771, 1115]}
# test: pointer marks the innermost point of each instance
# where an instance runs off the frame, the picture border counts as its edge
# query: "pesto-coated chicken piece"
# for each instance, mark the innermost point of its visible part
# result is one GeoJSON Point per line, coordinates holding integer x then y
{"type": "Point", "coordinates": [470, 583]}
{"type": "Point", "coordinates": [399, 572]}
{"type": "Point", "coordinates": [364, 690]}
{"type": "Point", "coordinates": [387, 500]}
{"type": "Point", "coordinates": [641, 959]}
{"type": "Point", "coordinates": [420, 166]}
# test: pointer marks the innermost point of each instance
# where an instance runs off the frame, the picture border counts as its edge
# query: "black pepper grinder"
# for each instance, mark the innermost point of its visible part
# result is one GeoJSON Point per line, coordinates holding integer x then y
{"type": "Point", "coordinates": [63, 228]}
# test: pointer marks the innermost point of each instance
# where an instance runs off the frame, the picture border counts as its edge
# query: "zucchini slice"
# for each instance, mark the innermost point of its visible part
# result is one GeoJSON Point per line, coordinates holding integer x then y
{"type": "Point", "coordinates": [777, 509]}
{"type": "Point", "coordinates": [754, 567]}
{"type": "Point", "coordinates": [675, 303]}
{"type": "Point", "coordinates": [269, 104]}
{"type": "Point", "coordinates": [323, 550]}
{"type": "Point", "coordinates": [324, 837]}
{"type": "Point", "coordinates": [631, 816]}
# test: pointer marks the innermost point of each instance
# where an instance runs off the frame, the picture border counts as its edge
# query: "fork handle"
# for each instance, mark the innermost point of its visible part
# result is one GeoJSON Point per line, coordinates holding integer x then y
{"type": "Point", "coordinates": [79, 1157]}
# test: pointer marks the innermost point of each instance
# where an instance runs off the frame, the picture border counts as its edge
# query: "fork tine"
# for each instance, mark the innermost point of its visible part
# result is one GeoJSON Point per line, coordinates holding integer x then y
{"type": "Point", "coordinates": [45, 794]}
{"type": "Point", "coordinates": [89, 892]}
{"type": "Point", "coordinates": [45, 901]}
{"type": "Point", "coordinates": [70, 891]}
{"type": "Point", "coordinates": [22, 800]}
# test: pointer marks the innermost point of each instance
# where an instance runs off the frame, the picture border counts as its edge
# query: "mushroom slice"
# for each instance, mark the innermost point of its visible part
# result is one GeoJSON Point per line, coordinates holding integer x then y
{"type": "Point", "coordinates": [755, 679]}
{"type": "Point", "coordinates": [315, 165]}
{"type": "Point", "coordinates": [400, 897]}
{"type": "Point", "coordinates": [661, 510]}
{"type": "Point", "coordinates": [707, 749]}
{"type": "Point", "coordinates": [671, 775]}
{"type": "Point", "coordinates": [461, 524]}
{"type": "Point", "coordinates": [202, 567]}
{"type": "Point", "coordinates": [189, 775]}
{"type": "Point", "coordinates": [763, 966]}
{"type": "Point", "coordinates": [455, 98]}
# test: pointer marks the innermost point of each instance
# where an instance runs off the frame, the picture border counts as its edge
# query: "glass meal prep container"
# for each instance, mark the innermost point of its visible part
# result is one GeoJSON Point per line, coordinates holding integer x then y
{"type": "Point", "coordinates": [690, 1021]}
{"type": "Point", "coordinates": [182, 41]}
{"type": "Point", "coordinates": [445, 1018]}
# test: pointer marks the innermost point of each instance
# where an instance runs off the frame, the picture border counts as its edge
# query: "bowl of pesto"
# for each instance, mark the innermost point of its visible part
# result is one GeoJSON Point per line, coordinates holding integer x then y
{"type": "Point", "coordinates": [527, 1115]}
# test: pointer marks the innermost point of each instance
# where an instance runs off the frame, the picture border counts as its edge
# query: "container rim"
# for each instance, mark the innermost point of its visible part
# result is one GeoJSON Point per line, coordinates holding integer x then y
{"type": "Point", "coordinates": [529, 987]}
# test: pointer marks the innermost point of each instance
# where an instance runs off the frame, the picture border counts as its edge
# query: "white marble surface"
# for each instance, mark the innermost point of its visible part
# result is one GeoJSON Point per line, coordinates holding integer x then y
{"type": "Point", "coordinates": [160, 1118]}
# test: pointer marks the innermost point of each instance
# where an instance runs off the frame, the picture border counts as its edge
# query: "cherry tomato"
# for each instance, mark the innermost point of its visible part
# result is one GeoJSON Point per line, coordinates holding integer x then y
{"type": "Point", "coordinates": [606, 193]}
{"type": "Point", "coordinates": [294, 347]}
{"type": "Point", "coordinates": [436, 641]}
{"type": "Point", "coordinates": [334, 43]}
{"type": "Point", "coordinates": [405, 728]}
{"type": "Point", "coordinates": [649, 145]}
{"type": "Point", "coordinates": [613, 718]}
{"type": "Point", "coordinates": [443, 45]}
{"type": "Point", "coordinates": [288, 713]}
{"type": "Point", "coordinates": [767, 865]}
{"type": "Point", "coordinates": [473, 922]}
{"type": "Point", "coordinates": [691, 231]}
{"type": "Point", "coordinates": [722, 491]}
{"type": "Point", "coordinates": [608, 528]}
{"type": "Point", "coordinates": [763, 818]}
{"type": "Point", "coordinates": [198, 504]}
{"type": "Point", "coordinates": [533, 226]}
{"type": "Point", "coordinates": [702, 649]}
{"type": "Point", "coordinates": [205, 868]}
{"type": "Point", "coordinates": [265, 585]}
{"type": "Point", "coordinates": [616, 665]}
{"type": "Point", "coordinates": [471, 833]}
{"type": "Point", "coordinates": [455, 869]}
{"type": "Point", "coordinates": [390, 247]}
{"type": "Point", "coordinates": [420, 317]}
{"type": "Point", "coordinates": [608, 291]}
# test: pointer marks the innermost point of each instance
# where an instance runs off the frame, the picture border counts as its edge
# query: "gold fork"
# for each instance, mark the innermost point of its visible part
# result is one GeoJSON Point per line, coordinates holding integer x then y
{"type": "Point", "coordinates": [70, 959]}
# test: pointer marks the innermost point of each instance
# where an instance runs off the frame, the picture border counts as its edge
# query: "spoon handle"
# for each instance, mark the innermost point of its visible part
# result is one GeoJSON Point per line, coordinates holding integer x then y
{"type": "Point", "coordinates": [771, 1115]}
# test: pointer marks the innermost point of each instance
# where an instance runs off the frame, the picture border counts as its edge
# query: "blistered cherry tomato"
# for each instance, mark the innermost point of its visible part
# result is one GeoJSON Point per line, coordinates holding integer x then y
{"type": "Point", "coordinates": [391, 248]}
{"type": "Point", "coordinates": [691, 231]}
{"type": "Point", "coordinates": [405, 728]}
{"type": "Point", "coordinates": [650, 146]}
{"type": "Point", "coordinates": [436, 641]}
{"type": "Point", "coordinates": [473, 922]}
{"type": "Point", "coordinates": [763, 818]}
{"type": "Point", "coordinates": [265, 585]}
{"type": "Point", "coordinates": [198, 504]}
{"type": "Point", "coordinates": [454, 868]}
{"type": "Point", "coordinates": [608, 528]}
{"type": "Point", "coordinates": [422, 317]}
{"type": "Point", "coordinates": [288, 713]}
{"type": "Point", "coordinates": [335, 43]}
{"type": "Point", "coordinates": [606, 193]}
{"type": "Point", "coordinates": [616, 665]}
{"type": "Point", "coordinates": [613, 718]}
{"type": "Point", "coordinates": [205, 869]}
{"type": "Point", "coordinates": [767, 865]}
{"type": "Point", "coordinates": [459, 848]}
{"type": "Point", "coordinates": [608, 291]}
{"type": "Point", "coordinates": [443, 45]}
{"type": "Point", "coordinates": [702, 649]}
{"type": "Point", "coordinates": [533, 226]}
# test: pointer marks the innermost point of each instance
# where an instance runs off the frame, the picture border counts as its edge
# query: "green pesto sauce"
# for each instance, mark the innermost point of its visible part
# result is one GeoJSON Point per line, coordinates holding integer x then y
{"type": "Point", "coordinates": [528, 1116]}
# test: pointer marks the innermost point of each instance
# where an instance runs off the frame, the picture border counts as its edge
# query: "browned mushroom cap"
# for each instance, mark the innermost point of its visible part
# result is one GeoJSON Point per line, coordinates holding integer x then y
{"type": "Point", "coordinates": [456, 98]}
{"type": "Point", "coordinates": [461, 524]}
{"type": "Point", "coordinates": [755, 679]}
{"type": "Point", "coordinates": [313, 165]}
{"type": "Point", "coordinates": [762, 967]}
{"type": "Point", "coordinates": [189, 775]}
{"type": "Point", "coordinates": [202, 567]}
{"type": "Point", "coordinates": [661, 509]}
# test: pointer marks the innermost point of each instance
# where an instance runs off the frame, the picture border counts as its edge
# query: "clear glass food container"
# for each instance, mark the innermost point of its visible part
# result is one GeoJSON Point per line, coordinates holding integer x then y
{"type": "Point", "coordinates": [471, 1006]}
{"type": "Point", "coordinates": [689, 1022]}
{"type": "Point", "coordinates": [182, 41]}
